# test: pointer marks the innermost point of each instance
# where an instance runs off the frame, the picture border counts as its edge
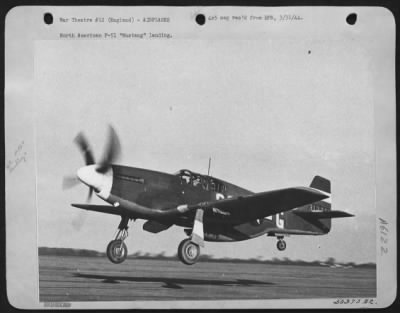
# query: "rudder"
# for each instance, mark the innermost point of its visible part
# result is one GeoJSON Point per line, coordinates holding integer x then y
{"type": "Point", "coordinates": [321, 183]}
{"type": "Point", "coordinates": [324, 185]}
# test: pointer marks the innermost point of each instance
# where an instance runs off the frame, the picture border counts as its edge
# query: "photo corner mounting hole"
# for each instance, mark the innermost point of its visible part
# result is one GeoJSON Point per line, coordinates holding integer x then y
{"type": "Point", "coordinates": [200, 19]}
{"type": "Point", "coordinates": [351, 19]}
{"type": "Point", "coordinates": [48, 18]}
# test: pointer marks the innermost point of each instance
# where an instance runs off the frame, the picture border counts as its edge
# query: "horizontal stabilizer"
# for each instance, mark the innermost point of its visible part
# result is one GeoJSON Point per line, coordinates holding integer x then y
{"type": "Point", "coordinates": [155, 227]}
{"type": "Point", "coordinates": [108, 209]}
{"type": "Point", "coordinates": [287, 232]}
{"type": "Point", "coordinates": [326, 214]}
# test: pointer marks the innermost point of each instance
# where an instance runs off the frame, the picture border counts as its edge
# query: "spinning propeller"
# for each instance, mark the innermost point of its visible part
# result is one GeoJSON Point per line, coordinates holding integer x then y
{"type": "Point", "coordinates": [92, 174]}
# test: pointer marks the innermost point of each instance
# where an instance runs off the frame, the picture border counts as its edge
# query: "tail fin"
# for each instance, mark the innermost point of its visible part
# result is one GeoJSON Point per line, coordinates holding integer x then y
{"type": "Point", "coordinates": [317, 217]}
{"type": "Point", "coordinates": [310, 214]}
{"type": "Point", "coordinates": [321, 183]}
{"type": "Point", "coordinates": [324, 211]}
{"type": "Point", "coordinates": [324, 185]}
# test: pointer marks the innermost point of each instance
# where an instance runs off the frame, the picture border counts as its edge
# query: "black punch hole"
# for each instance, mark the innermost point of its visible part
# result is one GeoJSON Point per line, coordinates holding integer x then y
{"type": "Point", "coordinates": [48, 18]}
{"type": "Point", "coordinates": [351, 18]}
{"type": "Point", "coordinates": [200, 19]}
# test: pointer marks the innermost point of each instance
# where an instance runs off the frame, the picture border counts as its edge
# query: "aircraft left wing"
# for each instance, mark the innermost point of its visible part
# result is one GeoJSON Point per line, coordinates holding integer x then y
{"type": "Point", "coordinates": [259, 205]}
{"type": "Point", "coordinates": [104, 209]}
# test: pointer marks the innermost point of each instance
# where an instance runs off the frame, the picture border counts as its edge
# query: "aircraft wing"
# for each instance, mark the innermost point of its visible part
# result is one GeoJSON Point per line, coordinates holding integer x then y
{"type": "Point", "coordinates": [259, 205]}
{"type": "Point", "coordinates": [104, 209]}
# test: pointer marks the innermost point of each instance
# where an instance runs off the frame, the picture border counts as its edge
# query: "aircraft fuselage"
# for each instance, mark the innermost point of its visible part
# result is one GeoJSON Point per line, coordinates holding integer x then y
{"type": "Point", "coordinates": [161, 191]}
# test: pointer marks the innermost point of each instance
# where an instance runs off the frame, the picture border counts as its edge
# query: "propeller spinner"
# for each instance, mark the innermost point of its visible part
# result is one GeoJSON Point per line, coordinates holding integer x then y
{"type": "Point", "coordinates": [97, 176]}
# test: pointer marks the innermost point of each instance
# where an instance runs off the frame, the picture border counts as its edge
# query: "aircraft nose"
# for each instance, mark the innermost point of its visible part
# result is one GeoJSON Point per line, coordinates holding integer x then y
{"type": "Point", "coordinates": [100, 182]}
{"type": "Point", "coordinates": [89, 176]}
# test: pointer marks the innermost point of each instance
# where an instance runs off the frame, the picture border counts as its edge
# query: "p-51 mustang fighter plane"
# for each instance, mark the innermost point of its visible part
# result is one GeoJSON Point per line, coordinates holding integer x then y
{"type": "Point", "coordinates": [208, 208]}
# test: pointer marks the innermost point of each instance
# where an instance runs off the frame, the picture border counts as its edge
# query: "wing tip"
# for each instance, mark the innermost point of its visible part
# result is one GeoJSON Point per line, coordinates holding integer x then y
{"type": "Point", "coordinates": [318, 195]}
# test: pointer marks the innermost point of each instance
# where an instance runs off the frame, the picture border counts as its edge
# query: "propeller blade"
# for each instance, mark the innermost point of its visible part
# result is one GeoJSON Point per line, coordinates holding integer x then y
{"type": "Point", "coordinates": [111, 152]}
{"type": "Point", "coordinates": [89, 195]}
{"type": "Point", "coordinates": [69, 182]}
{"type": "Point", "coordinates": [83, 145]}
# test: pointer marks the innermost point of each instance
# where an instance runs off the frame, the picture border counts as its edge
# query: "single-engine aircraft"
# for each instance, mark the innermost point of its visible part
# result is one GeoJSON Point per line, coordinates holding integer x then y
{"type": "Point", "coordinates": [208, 208]}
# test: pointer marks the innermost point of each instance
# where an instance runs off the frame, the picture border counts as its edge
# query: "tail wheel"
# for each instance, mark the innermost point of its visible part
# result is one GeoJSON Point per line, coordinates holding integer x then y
{"type": "Point", "coordinates": [281, 245]}
{"type": "Point", "coordinates": [117, 251]}
{"type": "Point", "coordinates": [188, 252]}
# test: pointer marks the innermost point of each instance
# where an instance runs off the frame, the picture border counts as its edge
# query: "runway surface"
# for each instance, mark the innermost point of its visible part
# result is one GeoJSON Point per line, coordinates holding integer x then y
{"type": "Point", "coordinates": [97, 279]}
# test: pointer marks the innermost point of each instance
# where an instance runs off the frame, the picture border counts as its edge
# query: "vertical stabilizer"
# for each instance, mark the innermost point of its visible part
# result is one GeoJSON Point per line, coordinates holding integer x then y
{"type": "Point", "coordinates": [324, 185]}
{"type": "Point", "coordinates": [321, 183]}
{"type": "Point", "coordinates": [315, 217]}
{"type": "Point", "coordinates": [325, 205]}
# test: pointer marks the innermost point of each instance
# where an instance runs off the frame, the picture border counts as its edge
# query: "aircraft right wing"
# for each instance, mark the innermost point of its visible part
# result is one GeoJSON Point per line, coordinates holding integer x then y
{"type": "Point", "coordinates": [259, 205]}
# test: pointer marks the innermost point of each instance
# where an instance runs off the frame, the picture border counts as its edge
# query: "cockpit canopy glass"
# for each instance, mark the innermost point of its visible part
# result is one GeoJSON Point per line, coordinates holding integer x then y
{"type": "Point", "coordinates": [196, 180]}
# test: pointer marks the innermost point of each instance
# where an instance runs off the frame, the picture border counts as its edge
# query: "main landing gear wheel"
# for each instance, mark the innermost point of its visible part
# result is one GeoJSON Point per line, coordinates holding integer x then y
{"type": "Point", "coordinates": [281, 245]}
{"type": "Point", "coordinates": [117, 251]}
{"type": "Point", "coordinates": [188, 252]}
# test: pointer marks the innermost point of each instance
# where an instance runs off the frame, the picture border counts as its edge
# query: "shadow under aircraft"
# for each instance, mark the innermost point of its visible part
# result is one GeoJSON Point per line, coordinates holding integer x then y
{"type": "Point", "coordinates": [172, 282]}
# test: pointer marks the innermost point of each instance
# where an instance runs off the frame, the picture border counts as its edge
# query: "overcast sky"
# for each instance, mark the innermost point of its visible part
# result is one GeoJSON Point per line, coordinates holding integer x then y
{"type": "Point", "coordinates": [270, 115]}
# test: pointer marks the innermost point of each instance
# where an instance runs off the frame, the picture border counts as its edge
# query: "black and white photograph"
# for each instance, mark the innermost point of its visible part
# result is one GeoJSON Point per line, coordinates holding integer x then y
{"type": "Point", "coordinates": [233, 161]}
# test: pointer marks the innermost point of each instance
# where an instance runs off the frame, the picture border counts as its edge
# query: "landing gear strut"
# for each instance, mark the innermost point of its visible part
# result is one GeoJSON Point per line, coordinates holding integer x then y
{"type": "Point", "coordinates": [281, 244]}
{"type": "Point", "coordinates": [189, 249]}
{"type": "Point", "coordinates": [116, 249]}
